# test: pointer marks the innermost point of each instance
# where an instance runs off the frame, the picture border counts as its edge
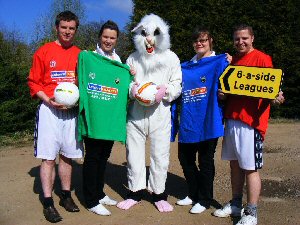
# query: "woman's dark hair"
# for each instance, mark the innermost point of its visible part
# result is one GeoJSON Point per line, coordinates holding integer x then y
{"type": "Point", "coordinates": [66, 16]}
{"type": "Point", "coordinates": [109, 25]}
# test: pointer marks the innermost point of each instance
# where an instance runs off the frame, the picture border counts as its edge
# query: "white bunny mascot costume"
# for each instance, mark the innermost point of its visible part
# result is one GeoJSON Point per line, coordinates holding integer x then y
{"type": "Point", "coordinates": [152, 61]}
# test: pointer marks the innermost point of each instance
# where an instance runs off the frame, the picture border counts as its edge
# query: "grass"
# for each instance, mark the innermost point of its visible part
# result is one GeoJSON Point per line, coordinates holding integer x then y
{"type": "Point", "coordinates": [16, 139]}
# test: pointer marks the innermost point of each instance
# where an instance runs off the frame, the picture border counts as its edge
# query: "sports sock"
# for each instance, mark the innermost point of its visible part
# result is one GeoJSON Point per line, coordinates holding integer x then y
{"type": "Point", "coordinates": [237, 201]}
{"type": "Point", "coordinates": [48, 202]}
{"type": "Point", "coordinates": [251, 209]}
{"type": "Point", "coordinates": [65, 194]}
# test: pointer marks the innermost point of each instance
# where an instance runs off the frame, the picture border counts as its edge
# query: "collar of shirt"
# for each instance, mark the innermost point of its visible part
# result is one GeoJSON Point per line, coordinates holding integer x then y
{"type": "Point", "coordinates": [114, 55]}
{"type": "Point", "coordinates": [194, 59]}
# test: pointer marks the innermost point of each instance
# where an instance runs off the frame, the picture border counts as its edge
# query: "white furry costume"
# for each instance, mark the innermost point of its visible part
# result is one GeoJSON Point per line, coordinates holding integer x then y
{"type": "Point", "coordinates": [162, 67]}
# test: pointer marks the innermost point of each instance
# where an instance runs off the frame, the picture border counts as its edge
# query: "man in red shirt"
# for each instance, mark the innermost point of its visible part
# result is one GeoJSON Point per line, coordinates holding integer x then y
{"type": "Point", "coordinates": [55, 132]}
{"type": "Point", "coordinates": [246, 125]}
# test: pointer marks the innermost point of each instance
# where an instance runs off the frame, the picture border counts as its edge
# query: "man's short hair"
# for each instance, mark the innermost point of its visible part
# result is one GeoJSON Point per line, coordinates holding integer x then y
{"type": "Point", "coordinates": [243, 27]}
{"type": "Point", "coordinates": [66, 16]}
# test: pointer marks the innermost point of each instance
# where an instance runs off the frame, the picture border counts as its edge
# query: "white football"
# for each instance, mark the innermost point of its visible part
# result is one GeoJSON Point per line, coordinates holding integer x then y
{"type": "Point", "coordinates": [145, 93]}
{"type": "Point", "coordinates": [67, 94]}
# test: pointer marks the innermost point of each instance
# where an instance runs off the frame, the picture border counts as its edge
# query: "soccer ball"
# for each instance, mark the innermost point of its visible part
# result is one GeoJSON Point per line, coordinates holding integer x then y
{"type": "Point", "coordinates": [145, 94]}
{"type": "Point", "coordinates": [66, 94]}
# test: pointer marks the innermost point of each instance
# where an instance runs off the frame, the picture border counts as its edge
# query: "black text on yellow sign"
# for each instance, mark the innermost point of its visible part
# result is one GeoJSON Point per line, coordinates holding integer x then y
{"type": "Point", "coordinates": [251, 81]}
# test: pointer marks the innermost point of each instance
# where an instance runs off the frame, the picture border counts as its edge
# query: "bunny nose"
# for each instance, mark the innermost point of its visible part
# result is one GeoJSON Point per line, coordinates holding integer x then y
{"type": "Point", "coordinates": [149, 40]}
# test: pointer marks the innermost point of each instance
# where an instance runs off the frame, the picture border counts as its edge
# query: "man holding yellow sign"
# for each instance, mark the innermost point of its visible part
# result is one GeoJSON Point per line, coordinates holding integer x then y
{"type": "Point", "coordinates": [246, 125]}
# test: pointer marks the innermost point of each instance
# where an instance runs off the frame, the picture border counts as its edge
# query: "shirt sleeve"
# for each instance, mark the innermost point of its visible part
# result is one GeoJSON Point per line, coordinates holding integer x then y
{"type": "Point", "coordinates": [35, 78]}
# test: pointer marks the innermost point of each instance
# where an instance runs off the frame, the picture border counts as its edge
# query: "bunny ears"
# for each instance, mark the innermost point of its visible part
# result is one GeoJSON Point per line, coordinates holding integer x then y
{"type": "Point", "coordinates": [152, 22]}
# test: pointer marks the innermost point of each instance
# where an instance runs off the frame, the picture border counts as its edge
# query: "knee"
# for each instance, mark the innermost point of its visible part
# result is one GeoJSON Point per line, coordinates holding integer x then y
{"type": "Point", "coordinates": [48, 163]}
{"type": "Point", "coordinates": [251, 172]}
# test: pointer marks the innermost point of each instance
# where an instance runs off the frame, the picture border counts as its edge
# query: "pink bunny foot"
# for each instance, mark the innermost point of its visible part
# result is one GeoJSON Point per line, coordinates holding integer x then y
{"type": "Point", "coordinates": [127, 204]}
{"type": "Point", "coordinates": [163, 206]}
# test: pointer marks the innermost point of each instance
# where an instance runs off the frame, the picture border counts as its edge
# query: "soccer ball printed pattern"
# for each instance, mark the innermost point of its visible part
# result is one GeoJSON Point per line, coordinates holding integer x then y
{"type": "Point", "coordinates": [67, 94]}
{"type": "Point", "coordinates": [146, 93]}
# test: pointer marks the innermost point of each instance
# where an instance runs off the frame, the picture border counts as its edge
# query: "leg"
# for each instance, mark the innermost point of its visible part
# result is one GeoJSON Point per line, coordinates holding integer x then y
{"type": "Point", "coordinates": [47, 175]}
{"type": "Point", "coordinates": [237, 179]}
{"type": "Point", "coordinates": [253, 191]}
{"type": "Point", "coordinates": [159, 163]}
{"type": "Point", "coordinates": [206, 176]}
{"type": "Point", "coordinates": [65, 172]}
{"type": "Point", "coordinates": [135, 154]}
{"type": "Point", "coordinates": [46, 148]}
{"type": "Point", "coordinates": [136, 168]}
{"type": "Point", "coordinates": [159, 159]}
{"type": "Point", "coordinates": [234, 207]}
{"type": "Point", "coordinates": [232, 144]}
{"type": "Point", "coordinates": [97, 154]}
{"type": "Point", "coordinates": [253, 182]}
{"type": "Point", "coordinates": [187, 158]}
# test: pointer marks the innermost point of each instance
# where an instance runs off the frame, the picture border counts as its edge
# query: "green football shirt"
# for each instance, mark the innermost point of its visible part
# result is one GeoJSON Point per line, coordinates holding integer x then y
{"type": "Point", "coordinates": [103, 89]}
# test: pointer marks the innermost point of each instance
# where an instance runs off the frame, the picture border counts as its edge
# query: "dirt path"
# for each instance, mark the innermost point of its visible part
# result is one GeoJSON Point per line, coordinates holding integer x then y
{"type": "Point", "coordinates": [20, 187]}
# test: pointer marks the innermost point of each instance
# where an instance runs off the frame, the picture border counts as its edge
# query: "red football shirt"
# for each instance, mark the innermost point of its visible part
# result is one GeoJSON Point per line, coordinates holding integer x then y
{"type": "Point", "coordinates": [52, 64]}
{"type": "Point", "coordinates": [250, 110]}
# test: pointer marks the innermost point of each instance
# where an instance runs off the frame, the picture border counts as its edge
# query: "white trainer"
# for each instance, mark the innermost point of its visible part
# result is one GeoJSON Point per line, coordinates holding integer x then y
{"type": "Point", "coordinates": [100, 210]}
{"type": "Point", "coordinates": [108, 201]}
{"type": "Point", "coordinates": [247, 220]}
{"type": "Point", "coordinates": [228, 210]}
{"type": "Point", "coordinates": [197, 208]}
{"type": "Point", "coordinates": [185, 201]}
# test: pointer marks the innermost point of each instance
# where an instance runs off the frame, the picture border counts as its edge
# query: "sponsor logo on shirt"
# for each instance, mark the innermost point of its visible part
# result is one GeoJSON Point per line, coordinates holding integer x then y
{"type": "Point", "coordinates": [102, 93]}
{"type": "Point", "coordinates": [102, 89]}
{"type": "Point", "coordinates": [52, 63]}
{"type": "Point", "coordinates": [203, 79]}
{"type": "Point", "coordinates": [198, 91]}
{"type": "Point", "coordinates": [62, 74]}
{"type": "Point", "coordinates": [92, 75]}
{"type": "Point", "coordinates": [194, 95]}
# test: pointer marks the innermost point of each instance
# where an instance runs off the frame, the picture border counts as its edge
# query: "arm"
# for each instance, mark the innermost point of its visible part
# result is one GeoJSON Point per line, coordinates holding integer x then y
{"type": "Point", "coordinates": [50, 101]}
{"type": "Point", "coordinates": [35, 82]}
{"type": "Point", "coordinates": [133, 85]}
{"type": "Point", "coordinates": [35, 78]}
{"type": "Point", "coordinates": [173, 87]}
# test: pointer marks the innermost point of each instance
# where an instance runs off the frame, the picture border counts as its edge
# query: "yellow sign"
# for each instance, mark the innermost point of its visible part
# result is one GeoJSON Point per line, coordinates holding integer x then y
{"type": "Point", "coordinates": [251, 81]}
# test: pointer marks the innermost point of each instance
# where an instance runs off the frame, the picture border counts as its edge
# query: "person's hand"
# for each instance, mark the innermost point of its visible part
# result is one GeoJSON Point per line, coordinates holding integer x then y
{"type": "Point", "coordinates": [221, 95]}
{"type": "Point", "coordinates": [56, 105]}
{"type": "Point", "coordinates": [134, 89]}
{"type": "Point", "coordinates": [132, 70]}
{"type": "Point", "coordinates": [161, 92]}
{"type": "Point", "coordinates": [279, 99]}
{"type": "Point", "coordinates": [228, 57]}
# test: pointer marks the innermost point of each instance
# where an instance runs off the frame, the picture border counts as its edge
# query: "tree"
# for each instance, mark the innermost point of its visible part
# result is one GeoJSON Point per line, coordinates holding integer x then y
{"type": "Point", "coordinates": [45, 25]}
{"type": "Point", "coordinates": [276, 26]}
{"type": "Point", "coordinates": [16, 108]}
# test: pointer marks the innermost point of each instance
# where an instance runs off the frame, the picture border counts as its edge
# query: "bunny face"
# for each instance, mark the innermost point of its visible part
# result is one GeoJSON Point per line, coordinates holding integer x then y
{"type": "Point", "coordinates": [151, 35]}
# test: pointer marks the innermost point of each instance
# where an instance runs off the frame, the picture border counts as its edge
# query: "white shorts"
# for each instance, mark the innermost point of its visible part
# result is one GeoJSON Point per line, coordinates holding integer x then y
{"type": "Point", "coordinates": [56, 133]}
{"type": "Point", "coordinates": [243, 143]}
